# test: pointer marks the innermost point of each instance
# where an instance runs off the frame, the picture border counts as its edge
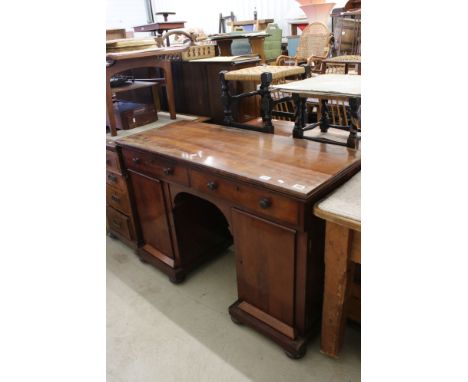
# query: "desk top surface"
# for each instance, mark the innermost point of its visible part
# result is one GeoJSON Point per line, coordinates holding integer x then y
{"type": "Point", "coordinates": [348, 85]}
{"type": "Point", "coordinates": [297, 167]}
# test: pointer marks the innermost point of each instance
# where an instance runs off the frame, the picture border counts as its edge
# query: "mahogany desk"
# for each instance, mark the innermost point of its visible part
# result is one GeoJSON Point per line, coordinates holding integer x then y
{"type": "Point", "coordinates": [198, 187]}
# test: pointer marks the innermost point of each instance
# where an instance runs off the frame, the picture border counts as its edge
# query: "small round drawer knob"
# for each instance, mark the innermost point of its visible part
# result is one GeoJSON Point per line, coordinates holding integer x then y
{"type": "Point", "coordinates": [112, 178]}
{"type": "Point", "coordinates": [136, 160]}
{"type": "Point", "coordinates": [265, 203]}
{"type": "Point", "coordinates": [168, 171]}
{"type": "Point", "coordinates": [212, 186]}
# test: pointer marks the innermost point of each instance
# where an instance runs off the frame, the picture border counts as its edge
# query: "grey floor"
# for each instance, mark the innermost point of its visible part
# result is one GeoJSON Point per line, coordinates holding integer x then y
{"type": "Point", "coordinates": [157, 331]}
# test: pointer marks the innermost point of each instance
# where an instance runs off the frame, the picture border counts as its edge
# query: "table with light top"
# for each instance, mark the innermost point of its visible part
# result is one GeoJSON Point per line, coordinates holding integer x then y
{"type": "Point", "coordinates": [256, 41]}
{"type": "Point", "coordinates": [324, 87]}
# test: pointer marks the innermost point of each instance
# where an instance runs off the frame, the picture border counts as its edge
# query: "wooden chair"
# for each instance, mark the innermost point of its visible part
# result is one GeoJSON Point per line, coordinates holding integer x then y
{"type": "Point", "coordinates": [314, 46]}
{"type": "Point", "coordinates": [342, 294]}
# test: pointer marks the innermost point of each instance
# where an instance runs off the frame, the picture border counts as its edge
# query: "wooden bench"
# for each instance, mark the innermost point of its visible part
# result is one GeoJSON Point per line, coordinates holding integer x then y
{"type": "Point", "coordinates": [342, 295]}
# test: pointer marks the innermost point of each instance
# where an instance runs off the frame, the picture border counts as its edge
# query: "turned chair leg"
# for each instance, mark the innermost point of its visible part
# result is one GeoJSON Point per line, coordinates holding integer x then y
{"type": "Point", "coordinates": [226, 99]}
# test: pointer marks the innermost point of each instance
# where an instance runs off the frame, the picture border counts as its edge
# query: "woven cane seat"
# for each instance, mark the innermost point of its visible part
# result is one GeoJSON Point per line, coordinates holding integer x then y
{"type": "Point", "coordinates": [344, 59]}
{"type": "Point", "coordinates": [254, 73]}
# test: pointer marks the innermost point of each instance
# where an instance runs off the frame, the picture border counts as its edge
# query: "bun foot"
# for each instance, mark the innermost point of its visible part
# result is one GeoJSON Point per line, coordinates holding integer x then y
{"type": "Point", "coordinates": [235, 320]}
{"type": "Point", "coordinates": [297, 354]}
{"type": "Point", "coordinates": [177, 278]}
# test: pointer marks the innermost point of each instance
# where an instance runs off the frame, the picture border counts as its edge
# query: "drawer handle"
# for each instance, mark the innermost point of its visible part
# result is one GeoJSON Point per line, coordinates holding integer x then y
{"type": "Point", "coordinates": [168, 171]}
{"type": "Point", "coordinates": [212, 186]}
{"type": "Point", "coordinates": [112, 178]}
{"type": "Point", "coordinates": [115, 198]}
{"type": "Point", "coordinates": [136, 160]}
{"type": "Point", "coordinates": [265, 202]}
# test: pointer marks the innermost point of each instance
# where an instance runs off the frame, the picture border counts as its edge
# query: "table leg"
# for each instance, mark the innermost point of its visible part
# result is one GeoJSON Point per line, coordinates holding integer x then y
{"type": "Point", "coordinates": [256, 45]}
{"type": "Point", "coordinates": [354, 104]}
{"type": "Point", "coordinates": [166, 66]}
{"type": "Point", "coordinates": [225, 99]}
{"type": "Point", "coordinates": [299, 116]}
{"type": "Point", "coordinates": [324, 116]}
{"type": "Point", "coordinates": [267, 101]}
{"type": "Point", "coordinates": [224, 47]}
{"type": "Point", "coordinates": [338, 279]}
{"type": "Point", "coordinates": [110, 108]}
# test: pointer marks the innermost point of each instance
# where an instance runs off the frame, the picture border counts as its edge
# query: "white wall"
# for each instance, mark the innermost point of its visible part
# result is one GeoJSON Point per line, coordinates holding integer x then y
{"type": "Point", "coordinates": [204, 14]}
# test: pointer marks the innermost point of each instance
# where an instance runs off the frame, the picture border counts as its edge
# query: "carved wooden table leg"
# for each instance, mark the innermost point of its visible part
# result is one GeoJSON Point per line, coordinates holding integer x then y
{"type": "Point", "coordinates": [324, 117]}
{"type": "Point", "coordinates": [338, 279]}
{"type": "Point", "coordinates": [354, 104]}
{"type": "Point", "coordinates": [225, 99]}
{"type": "Point", "coordinates": [267, 101]}
{"type": "Point", "coordinates": [299, 115]}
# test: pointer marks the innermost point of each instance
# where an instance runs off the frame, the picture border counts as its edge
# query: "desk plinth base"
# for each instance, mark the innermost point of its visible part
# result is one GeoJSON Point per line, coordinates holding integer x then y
{"type": "Point", "coordinates": [177, 275]}
{"type": "Point", "coordinates": [294, 349]}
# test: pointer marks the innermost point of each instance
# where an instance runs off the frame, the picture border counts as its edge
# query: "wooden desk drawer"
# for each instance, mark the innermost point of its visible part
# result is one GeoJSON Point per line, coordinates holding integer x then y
{"type": "Point", "coordinates": [255, 199]}
{"type": "Point", "coordinates": [112, 161]}
{"type": "Point", "coordinates": [118, 199]}
{"type": "Point", "coordinates": [119, 223]}
{"type": "Point", "coordinates": [149, 164]}
{"type": "Point", "coordinates": [116, 181]}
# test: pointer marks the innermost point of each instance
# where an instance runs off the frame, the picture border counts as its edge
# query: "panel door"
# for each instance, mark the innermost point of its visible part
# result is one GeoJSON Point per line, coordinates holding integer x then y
{"type": "Point", "coordinates": [265, 261]}
{"type": "Point", "coordinates": [151, 210]}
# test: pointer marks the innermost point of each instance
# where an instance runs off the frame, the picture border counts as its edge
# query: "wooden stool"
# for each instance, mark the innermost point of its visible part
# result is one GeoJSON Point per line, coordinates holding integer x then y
{"type": "Point", "coordinates": [342, 297]}
{"type": "Point", "coordinates": [264, 75]}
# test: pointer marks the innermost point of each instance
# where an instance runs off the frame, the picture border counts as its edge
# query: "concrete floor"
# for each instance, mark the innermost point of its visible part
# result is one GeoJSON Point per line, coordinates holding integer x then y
{"type": "Point", "coordinates": [157, 331]}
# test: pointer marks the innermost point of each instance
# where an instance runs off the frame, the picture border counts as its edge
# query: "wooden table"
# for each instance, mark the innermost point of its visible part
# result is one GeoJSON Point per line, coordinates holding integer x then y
{"type": "Point", "coordinates": [198, 187]}
{"type": "Point", "coordinates": [256, 41]}
{"type": "Point", "coordinates": [259, 25]}
{"type": "Point", "coordinates": [160, 26]}
{"type": "Point", "coordinates": [342, 297]}
{"type": "Point", "coordinates": [323, 87]}
{"type": "Point", "coordinates": [152, 58]}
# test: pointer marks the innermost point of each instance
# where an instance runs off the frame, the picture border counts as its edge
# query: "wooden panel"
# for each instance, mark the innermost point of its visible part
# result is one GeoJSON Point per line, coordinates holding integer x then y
{"type": "Point", "coordinates": [116, 181]}
{"type": "Point", "coordinates": [155, 166]}
{"type": "Point", "coordinates": [249, 197]}
{"type": "Point", "coordinates": [151, 210]}
{"type": "Point", "coordinates": [118, 199]}
{"type": "Point", "coordinates": [265, 261]}
{"type": "Point", "coordinates": [112, 161]}
{"type": "Point", "coordinates": [119, 223]}
{"type": "Point", "coordinates": [356, 247]}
